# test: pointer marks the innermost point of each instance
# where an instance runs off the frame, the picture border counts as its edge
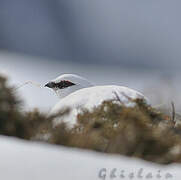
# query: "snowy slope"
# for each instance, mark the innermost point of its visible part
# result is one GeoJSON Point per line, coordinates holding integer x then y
{"type": "Point", "coordinates": [20, 160]}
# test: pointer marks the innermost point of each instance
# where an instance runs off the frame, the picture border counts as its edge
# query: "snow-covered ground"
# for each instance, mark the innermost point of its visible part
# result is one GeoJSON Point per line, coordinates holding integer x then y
{"type": "Point", "coordinates": [20, 160]}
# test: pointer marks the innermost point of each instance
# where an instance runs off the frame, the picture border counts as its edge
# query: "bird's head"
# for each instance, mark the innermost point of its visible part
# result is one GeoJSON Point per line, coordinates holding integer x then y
{"type": "Point", "coordinates": [67, 84]}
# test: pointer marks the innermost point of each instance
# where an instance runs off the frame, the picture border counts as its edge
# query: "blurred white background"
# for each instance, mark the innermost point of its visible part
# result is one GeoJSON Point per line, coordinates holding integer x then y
{"type": "Point", "coordinates": [159, 88]}
{"type": "Point", "coordinates": [130, 43]}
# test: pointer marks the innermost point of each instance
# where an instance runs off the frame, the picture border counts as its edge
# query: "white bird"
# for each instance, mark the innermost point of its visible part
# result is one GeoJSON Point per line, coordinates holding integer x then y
{"type": "Point", "coordinates": [77, 93]}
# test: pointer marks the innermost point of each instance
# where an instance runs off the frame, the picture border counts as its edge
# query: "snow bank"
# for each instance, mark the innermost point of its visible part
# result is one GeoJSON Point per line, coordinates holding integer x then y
{"type": "Point", "coordinates": [20, 160]}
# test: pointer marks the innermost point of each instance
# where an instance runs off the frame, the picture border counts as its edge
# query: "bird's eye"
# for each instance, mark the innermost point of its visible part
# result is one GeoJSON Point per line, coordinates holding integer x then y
{"type": "Point", "coordinates": [64, 84]}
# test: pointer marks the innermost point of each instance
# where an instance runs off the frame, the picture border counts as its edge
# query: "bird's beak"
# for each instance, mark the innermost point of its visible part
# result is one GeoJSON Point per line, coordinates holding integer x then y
{"type": "Point", "coordinates": [50, 85]}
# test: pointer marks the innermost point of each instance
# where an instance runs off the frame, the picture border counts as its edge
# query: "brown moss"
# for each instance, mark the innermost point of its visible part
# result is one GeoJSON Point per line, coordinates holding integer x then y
{"type": "Point", "coordinates": [139, 131]}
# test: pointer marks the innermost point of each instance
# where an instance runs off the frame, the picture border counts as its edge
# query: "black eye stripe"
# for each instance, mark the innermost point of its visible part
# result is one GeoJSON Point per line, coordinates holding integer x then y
{"type": "Point", "coordinates": [64, 84]}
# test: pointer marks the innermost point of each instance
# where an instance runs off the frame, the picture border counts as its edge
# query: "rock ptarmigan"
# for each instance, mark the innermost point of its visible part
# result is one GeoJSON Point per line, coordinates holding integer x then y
{"type": "Point", "coordinates": [77, 93]}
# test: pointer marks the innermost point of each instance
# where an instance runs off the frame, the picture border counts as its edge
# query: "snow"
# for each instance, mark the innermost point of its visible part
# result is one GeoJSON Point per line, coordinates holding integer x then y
{"type": "Point", "coordinates": [20, 160]}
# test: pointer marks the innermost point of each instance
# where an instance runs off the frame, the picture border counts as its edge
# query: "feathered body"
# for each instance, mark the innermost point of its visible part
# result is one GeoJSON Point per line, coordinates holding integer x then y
{"type": "Point", "coordinates": [81, 94]}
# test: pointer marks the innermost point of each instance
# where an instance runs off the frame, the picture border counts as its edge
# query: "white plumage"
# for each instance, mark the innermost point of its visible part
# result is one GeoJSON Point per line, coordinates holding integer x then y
{"type": "Point", "coordinates": [81, 94]}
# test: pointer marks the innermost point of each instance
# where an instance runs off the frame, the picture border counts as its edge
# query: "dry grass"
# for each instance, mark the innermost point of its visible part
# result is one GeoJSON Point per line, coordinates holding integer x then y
{"type": "Point", "coordinates": [139, 131]}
